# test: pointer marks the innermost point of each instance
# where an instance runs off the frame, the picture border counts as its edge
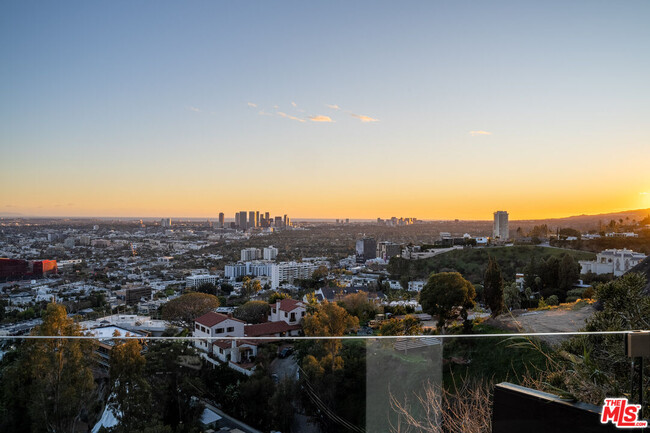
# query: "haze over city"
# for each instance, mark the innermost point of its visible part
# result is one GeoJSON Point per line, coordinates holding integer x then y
{"type": "Point", "coordinates": [327, 110]}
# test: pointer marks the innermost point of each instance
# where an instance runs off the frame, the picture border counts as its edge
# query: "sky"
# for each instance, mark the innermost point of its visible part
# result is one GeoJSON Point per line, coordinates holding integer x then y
{"type": "Point", "coordinates": [337, 109]}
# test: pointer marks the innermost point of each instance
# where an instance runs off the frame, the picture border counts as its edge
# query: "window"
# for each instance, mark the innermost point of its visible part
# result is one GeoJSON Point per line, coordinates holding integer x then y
{"type": "Point", "coordinates": [198, 326]}
{"type": "Point", "coordinates": [293, 317]}
{"type": "Point", "coordinates": [302, 314]}
{"type": "Point", "coordinates": [230, 329]}
{"type": "Point", "coordinates": [218, 331]}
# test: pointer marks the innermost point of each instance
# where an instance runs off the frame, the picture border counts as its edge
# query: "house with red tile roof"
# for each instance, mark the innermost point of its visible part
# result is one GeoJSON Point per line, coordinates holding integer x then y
{"type": "Point", "coordinates": [240, 353]}
{"type": "Point", "coordinates": [212, 325]}
{"type": "Point", "coordinates": [290, 311]}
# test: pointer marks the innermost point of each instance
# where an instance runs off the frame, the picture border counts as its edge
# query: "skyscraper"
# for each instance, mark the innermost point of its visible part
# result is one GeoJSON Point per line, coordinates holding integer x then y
{"type": "Point", "coordinates": [257, 218]}
{"type": "Point", "coordinates": [251, 219]}
{"type": "Point", "coordinates": [500, 230]}
{"type": "Point", "coordinates": [222, 219]}
{"type": "Point", "coordinates": [242, 220]}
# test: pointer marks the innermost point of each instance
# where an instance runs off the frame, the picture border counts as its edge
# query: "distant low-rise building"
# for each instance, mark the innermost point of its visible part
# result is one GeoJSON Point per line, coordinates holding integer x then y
{"type": "Point", "coordinates": [194, 281]}
{"type": "Point", "coordinates": [416, 286]}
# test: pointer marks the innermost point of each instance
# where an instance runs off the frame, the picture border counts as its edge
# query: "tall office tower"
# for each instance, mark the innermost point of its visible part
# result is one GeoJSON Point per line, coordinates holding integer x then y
{"type": "Point", "coordinates": [166, 222]}
{"type": "Point", "coordinates": [501, 225]}
{"type": "Point", "coordinates": [242, 220]}
{"type": "Point", "coordinates": [222, 220]}
{"type": "Point", "coordinates": [284, 222]}
{"type": "Point", "coordinates": [267, 217]}
{"type": "Point", "coordinates": [366, 249]}
{"type": "Point", "coordinates": [236, 219]}
{"type": "Point", "coordinates": [257, 218]}
{"type": "Point", "coordinates": [278, 222]}
{"type": "Point", "coordinates": [251, 219]}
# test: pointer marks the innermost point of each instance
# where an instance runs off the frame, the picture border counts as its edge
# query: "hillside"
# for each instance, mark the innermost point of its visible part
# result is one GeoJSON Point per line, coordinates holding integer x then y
{"type": "Point", "coordinates": [471, 263]}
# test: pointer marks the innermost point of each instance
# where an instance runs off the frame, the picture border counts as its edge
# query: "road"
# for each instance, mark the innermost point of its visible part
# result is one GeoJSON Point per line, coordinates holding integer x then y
{"type": "Point", "coordinates": [287, 368]}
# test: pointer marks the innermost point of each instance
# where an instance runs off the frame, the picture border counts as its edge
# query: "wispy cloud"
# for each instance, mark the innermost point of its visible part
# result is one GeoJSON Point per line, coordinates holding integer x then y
{"type": "Point", "coordinates": [293, 104]}
{"type": "Point", "coordinates": [364, 118]}
{"type": "Point", "coordinates": [320, 118]}
{"type": "Point", "coordinates": [333, 106]}
{"type": "Point", "coordinates": [288, 116]}
{"type": "Point", "coordinates": [477, 133]}
{"type": "Point", "coordinates": [196, 110]}
{"type": "Point", "coordinates": [252, 104]}
{"type": "Point", "coordinates": [264, 113]}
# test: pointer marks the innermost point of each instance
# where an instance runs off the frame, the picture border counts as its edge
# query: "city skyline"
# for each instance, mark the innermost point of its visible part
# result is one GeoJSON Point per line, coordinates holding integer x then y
{"type": "Point", "coordinates": [439, 111]}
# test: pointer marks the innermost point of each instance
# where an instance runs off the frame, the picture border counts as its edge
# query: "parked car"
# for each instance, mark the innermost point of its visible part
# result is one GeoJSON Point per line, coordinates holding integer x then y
{"type": "Point", "coordinates": [284, 353]}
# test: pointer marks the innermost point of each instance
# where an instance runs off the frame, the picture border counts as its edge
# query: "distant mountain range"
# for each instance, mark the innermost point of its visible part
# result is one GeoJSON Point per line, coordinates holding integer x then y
{"type": "Point", "coordinates": [637, 215]}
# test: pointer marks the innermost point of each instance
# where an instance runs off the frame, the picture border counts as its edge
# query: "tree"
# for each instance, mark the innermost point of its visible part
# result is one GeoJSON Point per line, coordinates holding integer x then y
{"type": "Point", "coordinates": [208, 288]}
{"type": "Point", "coordinates": [360, 306]}
{"type": "Point", "coordinates": [253, 312]}
{"type": "Point", "coordinates": [410, 325]}
{"type": "Point", "coordinates": [132, 391]}
{"type": "Point", "coordinates": [327, 320]}
{"type": "Point", "coordinates": [61, 379]}
{"type": "Point", "coordinates": [320, 273]}
{"type": "Point", "coordinates": [444, 293]}
{"type": "Point", "coordinates": [250, 287]}
{"type": "Point", "coordinates": [511, 296]}
{"type": "Point", "coordinates": [278, 296]}
{"type": "Point", "coordinates": [568, 272]}
{"type": "Point", "coordinates": [184, 309]}
{"type": "Point", "coordinates": [493, 285]}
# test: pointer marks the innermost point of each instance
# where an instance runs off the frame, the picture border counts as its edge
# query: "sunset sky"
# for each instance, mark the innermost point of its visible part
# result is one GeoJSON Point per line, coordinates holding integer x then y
{"type": "Point", "coordinates": [348, 109]}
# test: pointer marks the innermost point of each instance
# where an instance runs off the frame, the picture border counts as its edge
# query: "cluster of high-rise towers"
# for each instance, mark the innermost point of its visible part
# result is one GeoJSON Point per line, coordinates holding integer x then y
{"type": "Point", "coordinates": [254, 219]}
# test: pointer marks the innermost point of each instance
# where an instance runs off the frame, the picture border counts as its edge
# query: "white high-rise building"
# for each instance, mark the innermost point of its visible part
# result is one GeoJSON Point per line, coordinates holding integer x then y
{"type": "Point", "coordinates": [500, 231]}
{"type": "Point", "coordinates": [249, 254]}
{"type": "Point", "coordinates": [270, 253]}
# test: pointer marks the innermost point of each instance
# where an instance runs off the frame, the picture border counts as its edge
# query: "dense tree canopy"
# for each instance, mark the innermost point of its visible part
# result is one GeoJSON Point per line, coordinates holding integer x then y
{"type": "Point", "coordinates": [50, 383]}
{"type": "Point", "coordinates": [131, 389]}
{"type": "Point", "coordinates": [410, 325]}
{"type": "Point", "coordinates": [360, 306]}
{"type": "Point", "coordinates": [328, 320]}
{"type": "Point", "coordinates": [253, 312]}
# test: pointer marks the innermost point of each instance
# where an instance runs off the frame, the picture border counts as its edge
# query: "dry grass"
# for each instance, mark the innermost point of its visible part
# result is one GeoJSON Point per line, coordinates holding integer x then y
{"type": "Point", "coordinates": [437, 410]}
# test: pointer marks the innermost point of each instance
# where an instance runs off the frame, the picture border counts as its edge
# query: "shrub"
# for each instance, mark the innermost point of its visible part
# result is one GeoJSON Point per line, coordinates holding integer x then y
{"type": "Point", "coordinates": [572, 298]}
{"type": "Point", "coordinates": [574, 293]}
{"type": "Point", "coordinates": [552, 300]}
{"type": "Point", "coordinates": [589, 293]}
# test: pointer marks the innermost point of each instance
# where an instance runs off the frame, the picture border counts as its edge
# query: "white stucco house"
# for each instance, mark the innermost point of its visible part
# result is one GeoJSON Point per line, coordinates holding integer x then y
{"type": "Point", "coordinates": [612, 261]}
{"type": "Point", "coordinates": [290, 311]}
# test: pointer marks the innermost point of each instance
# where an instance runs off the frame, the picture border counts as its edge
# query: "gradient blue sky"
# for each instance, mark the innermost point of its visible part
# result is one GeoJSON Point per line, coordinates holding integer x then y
{"type": "Point", "coordinates": [142, 108]}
